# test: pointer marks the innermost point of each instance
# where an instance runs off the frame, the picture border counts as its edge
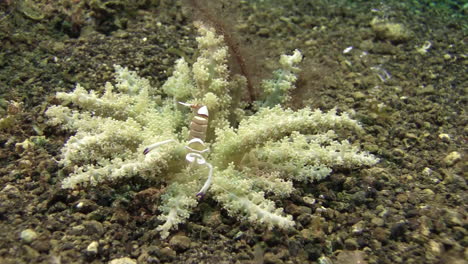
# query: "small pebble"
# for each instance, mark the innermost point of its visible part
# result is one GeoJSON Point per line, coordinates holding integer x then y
{"type": "Point", "coordinates": [28, 235]}
{"type": "Point", "coordinates": [452, 158]}
{"type": "Point", "coordinates": [92, 248]}
{"type": "Point", "coordinates": [180, 243]}
{"type": "Point", "coordinates": [125, 260]}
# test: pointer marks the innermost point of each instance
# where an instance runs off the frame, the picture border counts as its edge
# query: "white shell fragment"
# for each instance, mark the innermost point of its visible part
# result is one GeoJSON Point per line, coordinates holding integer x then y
{"type": "Point", "coordinates": [348, 49]}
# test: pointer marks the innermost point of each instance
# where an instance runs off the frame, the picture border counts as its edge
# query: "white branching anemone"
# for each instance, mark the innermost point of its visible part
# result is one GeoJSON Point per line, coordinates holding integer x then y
{"type": "Point", "coordinates": [125, 132]}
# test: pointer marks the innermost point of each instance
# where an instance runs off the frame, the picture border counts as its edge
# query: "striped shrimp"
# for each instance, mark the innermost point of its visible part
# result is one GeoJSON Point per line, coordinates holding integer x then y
{"type": "Point", "coordinates": [196, 145]}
